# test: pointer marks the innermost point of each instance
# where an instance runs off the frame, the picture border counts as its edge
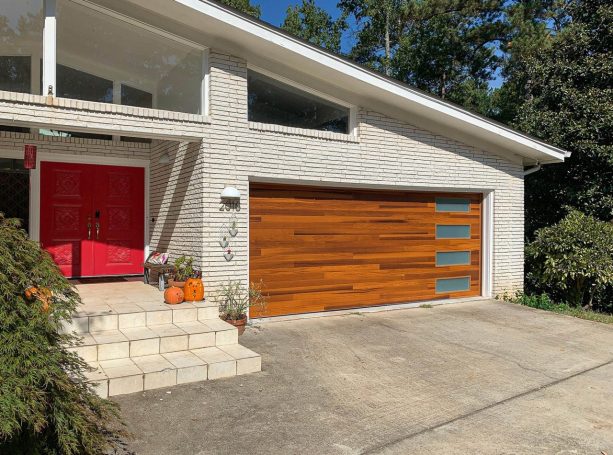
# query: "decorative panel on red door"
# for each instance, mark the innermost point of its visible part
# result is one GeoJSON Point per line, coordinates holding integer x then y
{"type": "Point", "coordinates": [119, 214]}
{"type": "Point", "coordinates": [92, 218]}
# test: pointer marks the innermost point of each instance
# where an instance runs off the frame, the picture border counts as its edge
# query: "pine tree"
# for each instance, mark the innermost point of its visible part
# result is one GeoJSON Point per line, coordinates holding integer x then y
{"type": "Point", "coordinates": [245, 6]}
{"type": "Point", "coordinates": [571, 106]}
{"type": "Point", "coordinates": [312, 23]}
{"type": "Point", "coordinates": [46, 407]}
{"type": "Point", "coordinates": [446, 47]}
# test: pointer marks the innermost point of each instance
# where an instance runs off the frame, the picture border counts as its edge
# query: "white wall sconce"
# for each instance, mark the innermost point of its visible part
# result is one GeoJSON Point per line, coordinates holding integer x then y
{"type": "Point", "coordinates": [230, 193]}
{"type": "Point", "coordinates": [231, 199]}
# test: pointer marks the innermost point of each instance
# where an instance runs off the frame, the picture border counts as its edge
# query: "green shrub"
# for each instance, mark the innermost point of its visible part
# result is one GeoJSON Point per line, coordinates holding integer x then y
{"type": "Point", "coordinates": [45, 405]}
{"type": "Point", "coordinates": [572, 261]}
{"type": "Point", "coordinates": [543, 302]}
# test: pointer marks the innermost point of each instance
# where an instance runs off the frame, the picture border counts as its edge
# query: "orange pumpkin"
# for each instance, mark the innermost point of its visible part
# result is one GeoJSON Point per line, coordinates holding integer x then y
{"type": "Point", "coordinates": [42, 294]}
{"type": "Point", "coordinates": [31, 293]}
{"type": "Point", "coordinates": [194, 290]}
{"type": "Point", "coordinates": [173, 295]}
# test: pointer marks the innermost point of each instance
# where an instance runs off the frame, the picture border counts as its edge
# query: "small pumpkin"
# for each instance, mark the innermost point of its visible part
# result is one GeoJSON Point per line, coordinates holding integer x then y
{"type": "Point", "coordinates": [173, 295]}
{"type": "Point", "coordinates": [42, 294]}
{"type": "Point", "coordinates": [31, 293]}
{"type": "Point", "coordinates": [194, 290]}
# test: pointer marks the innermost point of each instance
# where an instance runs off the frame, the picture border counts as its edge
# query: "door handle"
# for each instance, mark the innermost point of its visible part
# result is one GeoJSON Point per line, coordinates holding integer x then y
{"type": "Point", "coordinates": [89, 228]}
{"type": "Point", "coordinates": [97, 224]}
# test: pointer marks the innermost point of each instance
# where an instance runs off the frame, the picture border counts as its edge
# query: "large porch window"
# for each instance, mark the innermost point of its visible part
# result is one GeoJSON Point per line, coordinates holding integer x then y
{"type": "Point", "coordinates": [21, 49]}
{"type": "Point", "coordinates": [105, 57]}
{"type": "Point", "coordinates": [87, 52]}
{"type": "Point", "coordinates": [21, 46]}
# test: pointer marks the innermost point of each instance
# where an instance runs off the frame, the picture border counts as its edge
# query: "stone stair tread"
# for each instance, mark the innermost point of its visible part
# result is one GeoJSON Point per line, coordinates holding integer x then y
{"type": "Point", "coordinates": [108, 336]}
{"type": "Point", "coordinates": [238, 351]}
{"type": "Point", "coordinates": [194, 327]}
{"type": "Point", "coordinates": [183, 359]}
{"type": "Point", "coordinates": [114, 307]}
{"type": "Point", "coordinates": [218, 324]}
{"type": "Point", "coordinates": [138, 333]}
{"type": "Point", "coordinates": [213, 355]}
{"type": "Point", "coordinates": [152, 363]}
{"type": "Point", "coordinates": [166, 330]}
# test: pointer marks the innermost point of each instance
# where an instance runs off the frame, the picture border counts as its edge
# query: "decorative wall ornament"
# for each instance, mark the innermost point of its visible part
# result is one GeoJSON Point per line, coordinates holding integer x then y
{"type": "Point", "coordinates": [228, 254]}
{"type": "Point", "coordinates": [233, 226]}
{"type": "Point", "coordinates": [224, 241]}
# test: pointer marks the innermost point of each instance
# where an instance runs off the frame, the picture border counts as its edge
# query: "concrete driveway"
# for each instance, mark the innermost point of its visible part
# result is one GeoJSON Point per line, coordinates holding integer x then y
{"type": "Point", "coordinates": [469, 378]}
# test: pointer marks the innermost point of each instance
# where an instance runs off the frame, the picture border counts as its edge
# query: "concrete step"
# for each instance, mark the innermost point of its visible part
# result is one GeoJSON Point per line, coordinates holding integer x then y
{"type": "Point", "coordinates": [154, 339]}
{"type": "Point", "coordinates": [103, 317]}
{"type": "Point", "coordinates": [140, 373]}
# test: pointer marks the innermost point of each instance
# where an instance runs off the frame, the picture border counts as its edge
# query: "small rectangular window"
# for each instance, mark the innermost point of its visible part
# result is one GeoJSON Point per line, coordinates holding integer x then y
{"type": "Point", "coordinates": [450, 204]}
{"type": "Point", "coordinates": [450, 231]}
{"type": "Point", "coordinates": [445, 285]}
{"type": "Point", "coordinates": [452, 258]}
{"type": "Point", "coordinates": [272, 101]}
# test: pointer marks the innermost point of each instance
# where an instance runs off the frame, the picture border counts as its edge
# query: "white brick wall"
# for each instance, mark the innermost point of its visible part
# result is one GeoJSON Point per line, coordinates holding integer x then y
{"type": "Point", "coordinates": [389, 152]}
{"type": "Point", "coordinates": [184, 194]}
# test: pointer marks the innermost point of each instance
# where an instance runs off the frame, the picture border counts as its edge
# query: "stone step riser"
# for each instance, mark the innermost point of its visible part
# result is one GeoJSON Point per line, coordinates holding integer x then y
{"type": "Point", "coordinates": [150, 377]}
{"type": "Point", "coordinates": [102, 323]}
{"type": "Point", "coordinates": [160, 345]}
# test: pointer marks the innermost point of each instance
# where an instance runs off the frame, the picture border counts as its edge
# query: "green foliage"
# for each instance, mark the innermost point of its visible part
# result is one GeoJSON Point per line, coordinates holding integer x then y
{"type": "Point", "coordinates": [184, 268]}
{"type": "Point", "coordinates": [312, 23]}
{"type": "Point", "coordinates": [245, 6]}
{"type": "Point", "coordinates": [234, 299]}
{"type": "Point", "coordinates": [543, 302]}
{"type": "Point", "coordinates": [570, 105]}
{"type": "Point", "coordinates": [573, 260]}
{"type": "Point", "coordinates": [46, 407]}
{"type": "Point", "coordinates": [446, 47]}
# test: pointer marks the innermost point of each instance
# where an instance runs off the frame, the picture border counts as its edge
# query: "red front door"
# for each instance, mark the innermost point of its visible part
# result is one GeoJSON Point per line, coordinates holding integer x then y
{"type": "Point", "coordinates": [92, 218]}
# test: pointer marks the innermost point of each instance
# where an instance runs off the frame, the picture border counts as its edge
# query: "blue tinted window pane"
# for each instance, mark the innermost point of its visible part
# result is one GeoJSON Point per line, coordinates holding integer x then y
{"type": "Point", "coordinates": [444, 231]}
{"type": "Point", "coordinates": [453, 258]}
{"type": "Point", "coordinates": [452, 285]}
{"type": "Point", "coordinates": [449, 204]}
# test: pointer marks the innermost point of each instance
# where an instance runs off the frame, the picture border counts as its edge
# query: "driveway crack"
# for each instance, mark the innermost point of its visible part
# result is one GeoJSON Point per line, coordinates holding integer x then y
{"type": "Point", "coordinates": [379, 448]}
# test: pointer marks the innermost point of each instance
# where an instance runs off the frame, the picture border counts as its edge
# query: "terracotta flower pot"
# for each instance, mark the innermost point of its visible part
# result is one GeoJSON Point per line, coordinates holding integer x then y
{"type": "Point", "coordinates": [176, 284]}
{"type": "Point", "coordinates": [173, 295]}
{"type": "Point", "coordinates": [193, 290]}
{"type": "Point", "coordinates": [239, 324]}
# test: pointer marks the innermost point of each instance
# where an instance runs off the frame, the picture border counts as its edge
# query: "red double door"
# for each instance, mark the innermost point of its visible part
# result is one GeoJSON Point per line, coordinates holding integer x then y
{"type": "Point", "coordinates": [92, 218]}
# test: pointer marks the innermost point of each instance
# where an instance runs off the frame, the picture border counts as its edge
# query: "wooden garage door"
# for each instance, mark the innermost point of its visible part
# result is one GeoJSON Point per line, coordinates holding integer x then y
{"type": "Point", "coordinates": [318, 249]}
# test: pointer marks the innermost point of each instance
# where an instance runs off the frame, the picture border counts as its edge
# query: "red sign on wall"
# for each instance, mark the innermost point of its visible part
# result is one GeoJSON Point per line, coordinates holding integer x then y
{"type": "Point", "coordinates": [29, 157]}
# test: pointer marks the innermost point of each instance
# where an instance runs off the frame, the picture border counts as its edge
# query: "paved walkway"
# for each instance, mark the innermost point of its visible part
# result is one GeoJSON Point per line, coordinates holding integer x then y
{"type": "Point", "coordinates": [479, 378]}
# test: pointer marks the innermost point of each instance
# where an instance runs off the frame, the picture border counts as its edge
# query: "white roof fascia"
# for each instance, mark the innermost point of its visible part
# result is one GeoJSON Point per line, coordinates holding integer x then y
{"type": "Point", "coordinates": [479, 125]}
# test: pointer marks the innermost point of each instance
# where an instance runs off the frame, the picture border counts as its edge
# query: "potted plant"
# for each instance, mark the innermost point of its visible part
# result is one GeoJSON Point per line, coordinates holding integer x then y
{"type": "Point", "coordinates": [234, 300]}
{"type": "Point", "coordinates": [184, 270]}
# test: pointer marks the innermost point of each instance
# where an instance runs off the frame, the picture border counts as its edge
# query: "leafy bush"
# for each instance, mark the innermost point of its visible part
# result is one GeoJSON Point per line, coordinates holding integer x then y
{"type": "Point", "coordinates": [572, 261]}
{"type": "Point", "coordinates": [46, 407]}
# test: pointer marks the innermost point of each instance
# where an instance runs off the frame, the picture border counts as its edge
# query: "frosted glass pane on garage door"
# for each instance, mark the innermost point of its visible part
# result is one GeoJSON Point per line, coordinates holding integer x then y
{"type": "Point", "coordinates": [445, 285]}
{"type": "Point", "coordinates": [452, 258]}
{"type": "Point", "coordinates": [448, 204]}
{"type": "Point", "coordinates": [452, 231]}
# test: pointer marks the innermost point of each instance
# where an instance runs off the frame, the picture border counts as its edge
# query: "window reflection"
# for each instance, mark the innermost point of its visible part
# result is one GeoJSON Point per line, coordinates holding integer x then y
{"type": "Point", "coordinates": [272, 101]}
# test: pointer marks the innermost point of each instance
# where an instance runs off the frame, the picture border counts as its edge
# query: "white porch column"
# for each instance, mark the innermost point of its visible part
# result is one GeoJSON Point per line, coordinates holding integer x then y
{"type": "Point", "coordinates": [49, 47]}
